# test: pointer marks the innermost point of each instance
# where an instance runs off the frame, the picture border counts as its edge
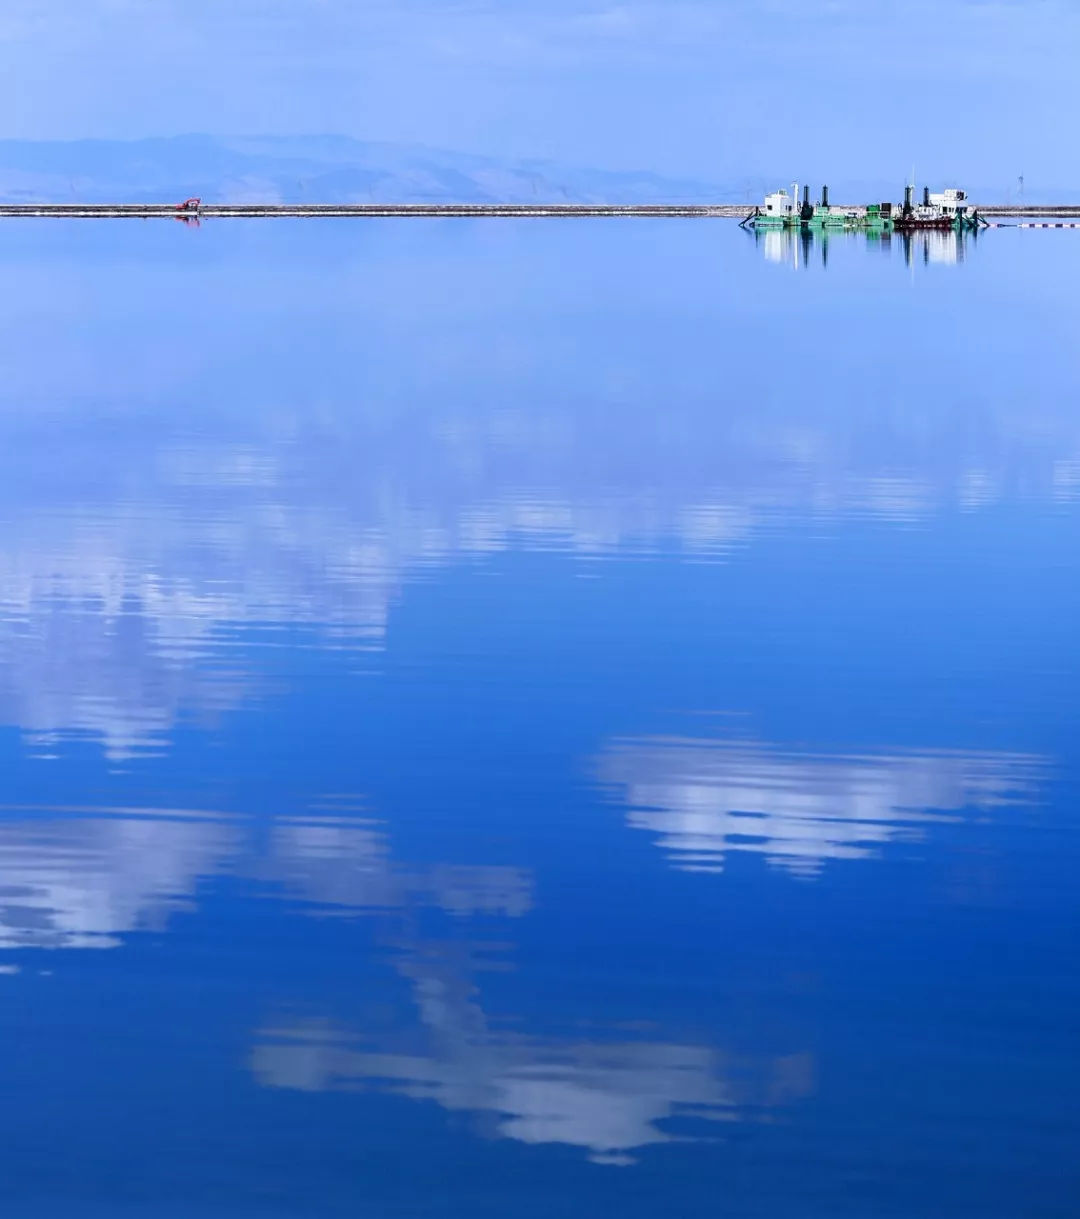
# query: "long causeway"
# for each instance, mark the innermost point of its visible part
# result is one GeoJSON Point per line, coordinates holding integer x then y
{"type": "Point", "coordinates": [733, 211]}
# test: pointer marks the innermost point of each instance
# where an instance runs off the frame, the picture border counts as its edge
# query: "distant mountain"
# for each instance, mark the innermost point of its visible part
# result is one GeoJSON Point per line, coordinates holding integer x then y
{"type": "Point", "coordinates": [324, 169]}
{"type": "Point", "coordinates": [338, 169]}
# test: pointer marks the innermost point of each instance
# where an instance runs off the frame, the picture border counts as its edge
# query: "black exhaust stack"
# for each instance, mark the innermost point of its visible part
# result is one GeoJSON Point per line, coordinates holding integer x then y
{"type": "Point", "coordinates": [926, 196]}
{"type": "Point", "coordinates": [824, 196]}
{"type": "Point", "coordinates": [908, 192]}
{"type": "Point", "coordinates": [807, 211]}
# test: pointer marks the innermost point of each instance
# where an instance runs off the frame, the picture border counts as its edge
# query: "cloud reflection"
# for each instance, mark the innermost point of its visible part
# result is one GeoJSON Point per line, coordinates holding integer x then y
{"type": "Point", "coordinates": [122, 612]}
{"type": "Point", "coordinates": [177, 490]}
{"type": "Point", "coordinates": [339, 864]}
{"type": "Point", "coordinates": [610, 1098]}
{"type": "Point", "coordinates": [77, 881]}
{"type": "Point", "coordinates": [703, 800]}
{"type": "Point", "coordinates": [84, 878]}
{"type": "Point", "coordinates": [89, 878]}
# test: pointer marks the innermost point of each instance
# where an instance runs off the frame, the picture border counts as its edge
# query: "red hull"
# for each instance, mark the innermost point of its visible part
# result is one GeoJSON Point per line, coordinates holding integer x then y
{"type": "Point", "coordinates": [942, 225]}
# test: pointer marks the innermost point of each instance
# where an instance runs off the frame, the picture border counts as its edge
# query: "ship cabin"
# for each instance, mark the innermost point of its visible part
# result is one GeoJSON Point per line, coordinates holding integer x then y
{"type": "Point", "coordinates": [779, 205]}
{"type": "Point", "coordinates": [950, 202]}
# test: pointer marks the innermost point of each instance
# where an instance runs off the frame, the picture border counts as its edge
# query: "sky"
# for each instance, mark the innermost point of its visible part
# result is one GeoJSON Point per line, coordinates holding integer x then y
{"type": "Point", "coordinates": [976, 91]}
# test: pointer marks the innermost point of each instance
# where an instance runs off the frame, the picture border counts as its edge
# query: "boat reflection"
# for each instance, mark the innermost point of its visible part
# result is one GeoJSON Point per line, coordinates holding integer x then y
{"type": "Point", "coordinates": [801, 249]}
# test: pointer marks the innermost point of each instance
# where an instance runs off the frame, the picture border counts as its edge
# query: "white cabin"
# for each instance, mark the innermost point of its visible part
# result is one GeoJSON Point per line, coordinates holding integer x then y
{"type": "Point", "coordinates": [779, 203]}
{"type": "Point", "coordinates": [950, 202]}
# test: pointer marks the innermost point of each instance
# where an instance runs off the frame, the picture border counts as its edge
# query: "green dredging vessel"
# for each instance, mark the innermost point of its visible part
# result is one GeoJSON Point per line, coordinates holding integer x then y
{"type": "Point", "coordinates": [948, 211]}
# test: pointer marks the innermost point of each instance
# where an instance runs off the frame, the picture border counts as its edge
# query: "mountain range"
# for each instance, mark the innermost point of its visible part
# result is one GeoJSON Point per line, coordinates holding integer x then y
{"type": "Point", "coordinates": [340, 169]}
{"type": "Point", "coordinates": [322, 169]}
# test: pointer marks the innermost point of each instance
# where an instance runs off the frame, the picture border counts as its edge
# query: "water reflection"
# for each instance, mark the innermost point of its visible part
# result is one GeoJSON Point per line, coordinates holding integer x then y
{"type": "Point", "coordinates": [147, 520]}
{"type": "Point", "coordinates": [802, 249]}
{"type": "Point", "coordinates": [117, 614]}
{"type": "Point", "coordinates": [340, 864]}
{"type": "Point", "coordinates": [606, 1096]}
{"type": "Point", "coordinates": [106, 661]}
{"type": "Point", "coordinates": [704, 800]}
{"type": "Point", "coordinates": [466, 535]}
{"type": "Point", "coordinates": [90, 878]}
{"type": "Point", "coordinates": [85, 878]}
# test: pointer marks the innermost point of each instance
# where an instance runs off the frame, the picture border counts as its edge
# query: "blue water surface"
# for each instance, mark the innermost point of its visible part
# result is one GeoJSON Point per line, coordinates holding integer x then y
{"type": "Point", "coordinates": [537, 718]}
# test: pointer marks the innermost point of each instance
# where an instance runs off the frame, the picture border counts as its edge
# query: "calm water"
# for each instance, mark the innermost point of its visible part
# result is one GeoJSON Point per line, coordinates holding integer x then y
{"type": "Point", "coordinates": [537, 718]}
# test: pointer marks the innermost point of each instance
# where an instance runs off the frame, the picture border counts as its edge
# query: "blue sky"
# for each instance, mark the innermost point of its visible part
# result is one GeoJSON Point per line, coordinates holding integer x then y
{"type": "Point", "coordinates": [973, 90]}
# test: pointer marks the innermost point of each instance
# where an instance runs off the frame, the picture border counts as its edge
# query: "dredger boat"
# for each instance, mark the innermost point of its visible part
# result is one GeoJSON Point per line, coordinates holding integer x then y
{"type": "Point", "coordinates": [947, 211]}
